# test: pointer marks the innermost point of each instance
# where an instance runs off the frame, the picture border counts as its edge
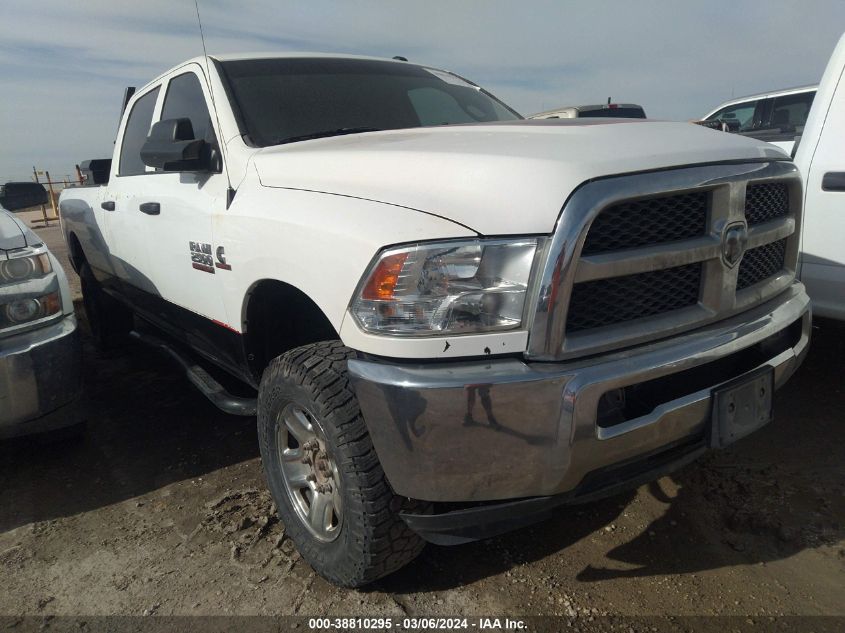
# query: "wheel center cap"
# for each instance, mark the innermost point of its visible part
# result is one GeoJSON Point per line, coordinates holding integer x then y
{"type": "Point", "coordinates": [321, 467]}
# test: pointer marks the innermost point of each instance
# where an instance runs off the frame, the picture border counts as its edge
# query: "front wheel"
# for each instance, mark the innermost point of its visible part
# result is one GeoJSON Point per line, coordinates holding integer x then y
{"type": "Point", "coordinates": [323, 471]}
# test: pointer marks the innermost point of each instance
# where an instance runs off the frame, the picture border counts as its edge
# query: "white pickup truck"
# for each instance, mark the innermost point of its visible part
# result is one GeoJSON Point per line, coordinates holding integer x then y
{"type": "Point", "coordinates": [821, 161]}
{"type": "Point", "coordinates": [456, 320]}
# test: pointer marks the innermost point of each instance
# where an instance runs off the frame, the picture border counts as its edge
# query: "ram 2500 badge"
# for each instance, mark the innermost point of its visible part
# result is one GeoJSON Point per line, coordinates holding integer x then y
{"type": "Point", "coordinates": [456, 320]}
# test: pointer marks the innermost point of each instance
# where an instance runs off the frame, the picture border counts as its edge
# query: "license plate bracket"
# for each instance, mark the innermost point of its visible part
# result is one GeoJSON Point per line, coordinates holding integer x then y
{"type": "Point", "coordinates": [741, 406]}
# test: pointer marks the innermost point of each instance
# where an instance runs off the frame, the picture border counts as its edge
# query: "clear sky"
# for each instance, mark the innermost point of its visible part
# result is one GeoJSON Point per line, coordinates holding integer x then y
{"type": "Point", "coordinates": [64, 63]}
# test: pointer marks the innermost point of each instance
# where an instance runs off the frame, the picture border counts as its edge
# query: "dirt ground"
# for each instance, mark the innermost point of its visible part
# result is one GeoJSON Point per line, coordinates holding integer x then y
{"type": "Point", "coordinates": [162, 509]}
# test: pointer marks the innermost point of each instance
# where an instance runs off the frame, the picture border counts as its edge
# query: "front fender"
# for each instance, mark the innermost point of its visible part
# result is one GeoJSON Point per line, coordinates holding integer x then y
{"type": "Point", "coordinates": [319, 243]}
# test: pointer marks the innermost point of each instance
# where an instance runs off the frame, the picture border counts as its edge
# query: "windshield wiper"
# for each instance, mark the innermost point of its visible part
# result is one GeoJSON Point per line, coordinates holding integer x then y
{"type": "Point", "coordinates": [326, 133]}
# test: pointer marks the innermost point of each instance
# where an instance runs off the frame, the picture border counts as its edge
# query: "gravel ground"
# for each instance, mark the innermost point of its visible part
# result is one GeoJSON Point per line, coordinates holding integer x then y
{"type": "Point", "coordinates": [161, 509]}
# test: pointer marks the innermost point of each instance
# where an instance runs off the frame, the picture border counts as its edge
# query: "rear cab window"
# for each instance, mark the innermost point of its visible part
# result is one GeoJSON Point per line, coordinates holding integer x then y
{"type": "Point", "coordinates": [613, 113]}
{"type": "Point", "coordinates": [790, 111]}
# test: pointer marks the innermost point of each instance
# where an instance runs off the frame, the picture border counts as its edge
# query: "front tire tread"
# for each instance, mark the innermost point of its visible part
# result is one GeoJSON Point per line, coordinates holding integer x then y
{"type": "Point", "coordinates": [377, 542]}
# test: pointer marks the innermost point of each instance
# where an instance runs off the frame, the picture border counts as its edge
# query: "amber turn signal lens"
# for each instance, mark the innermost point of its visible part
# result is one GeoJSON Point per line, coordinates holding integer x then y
{"type": "Point", "coordinates": [382, 282]}
{"type": "Point", "coordinates": [44, 262]}
{"type": "Point", "coordinates": [52, 303]}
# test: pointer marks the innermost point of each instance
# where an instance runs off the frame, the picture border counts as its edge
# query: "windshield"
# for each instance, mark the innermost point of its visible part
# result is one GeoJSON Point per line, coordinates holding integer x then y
{"type": "Point", "coordinates": [285, 100]}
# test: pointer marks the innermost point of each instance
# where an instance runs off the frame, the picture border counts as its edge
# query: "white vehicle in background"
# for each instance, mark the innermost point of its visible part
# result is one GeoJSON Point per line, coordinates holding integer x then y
{"type": "Point", "coordinates": [820, 159]}
{"type": "Point", "coordinates": [776, 117]}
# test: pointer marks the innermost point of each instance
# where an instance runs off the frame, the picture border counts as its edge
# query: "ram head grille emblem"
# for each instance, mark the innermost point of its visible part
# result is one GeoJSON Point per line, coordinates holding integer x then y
{"type": "Point", "coordinates": [734, 240]}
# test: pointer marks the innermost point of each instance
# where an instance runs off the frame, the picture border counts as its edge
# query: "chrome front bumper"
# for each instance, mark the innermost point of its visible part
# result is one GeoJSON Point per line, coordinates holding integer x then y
{"type": "Point", "coordinates": [507, 429]}
{"type": "Point", "coordinates": [40, 379]}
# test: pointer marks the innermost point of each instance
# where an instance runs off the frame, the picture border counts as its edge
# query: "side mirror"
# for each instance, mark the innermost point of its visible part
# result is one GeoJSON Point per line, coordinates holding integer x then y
{"type": "Point", "coordinates": [171, 146]}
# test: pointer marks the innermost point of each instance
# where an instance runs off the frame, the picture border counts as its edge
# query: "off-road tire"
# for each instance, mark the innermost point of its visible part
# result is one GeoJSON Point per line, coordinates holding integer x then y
{"type": "Point", "coordinates": [373, 541]}
{"type": "Point", "coordinates": [109, 321]}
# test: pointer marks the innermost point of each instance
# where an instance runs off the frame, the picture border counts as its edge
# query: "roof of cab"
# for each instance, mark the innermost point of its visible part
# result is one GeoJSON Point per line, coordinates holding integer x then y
{"type": "Point", "coordinates": [241, 56]}
{"type": "Point", "coordinates": [228, 57]}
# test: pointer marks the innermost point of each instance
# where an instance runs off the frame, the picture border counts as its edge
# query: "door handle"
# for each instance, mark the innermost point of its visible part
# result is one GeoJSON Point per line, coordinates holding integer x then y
{"type": "Point", "coordinates": [108, 205]}
{"type": "Point", "coordinates": [833, 181]}
{"type": "Point", "coordinates": [150, 208]}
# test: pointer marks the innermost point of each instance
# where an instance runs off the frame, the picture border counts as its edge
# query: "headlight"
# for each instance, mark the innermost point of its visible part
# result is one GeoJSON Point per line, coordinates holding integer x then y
{"type": "Point", "coordinates": [447, 288]}
{"type": "Point", "coordinates": [21, 311]}
{"type": "Point", "coordinates": [20, 269]}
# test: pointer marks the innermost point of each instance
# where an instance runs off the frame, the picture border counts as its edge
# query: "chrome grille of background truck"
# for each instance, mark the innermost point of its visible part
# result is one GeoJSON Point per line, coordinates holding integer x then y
{"type": "Point", "coordinates": [642, 257]}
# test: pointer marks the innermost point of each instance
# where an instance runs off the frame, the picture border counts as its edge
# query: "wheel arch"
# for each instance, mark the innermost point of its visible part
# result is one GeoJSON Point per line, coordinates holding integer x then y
{"type": "Point", "coordinates": [75, 253]}
{"type": "Point", "coordinates": [277, 316]}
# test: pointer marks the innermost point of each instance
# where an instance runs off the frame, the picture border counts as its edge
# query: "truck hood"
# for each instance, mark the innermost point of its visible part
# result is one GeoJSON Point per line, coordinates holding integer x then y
{"type": "Point", "coordinates": [496, 179]}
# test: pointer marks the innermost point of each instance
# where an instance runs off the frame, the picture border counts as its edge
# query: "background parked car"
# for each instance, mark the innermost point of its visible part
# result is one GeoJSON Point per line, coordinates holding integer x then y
{"type": "Point", "coordinates": [20, 195]}
{"type": "Point", "coordinates": [777, 117]}
{"type": "Point", "coordinates": [607, 110]}
{"type": "Point", "coordinates": [40, 353]}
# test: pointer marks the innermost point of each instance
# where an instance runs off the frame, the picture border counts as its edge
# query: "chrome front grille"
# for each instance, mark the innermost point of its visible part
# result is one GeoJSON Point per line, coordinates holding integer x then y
{"type": "Point", "coordinates": [645, 222]}
{"type": "Point", "coordinates": [619, 299]}
{"type": "Point", "coordinates": [642, 257]}
{"type": "Point", "coordinates": [758, 264]}
{"type": "Point", "coordinates": [766, 201]}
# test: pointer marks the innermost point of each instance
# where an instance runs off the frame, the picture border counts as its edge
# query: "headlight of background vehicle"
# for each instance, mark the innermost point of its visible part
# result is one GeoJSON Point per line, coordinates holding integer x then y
{"type": "Point", "coordinates": [22, 310]}
{"type": "Point", "coordinates": [20, 269]}
{"type": "Point", "coordinates": [447, 288]}
{"type": "Point", "coordinates": [17, 305]}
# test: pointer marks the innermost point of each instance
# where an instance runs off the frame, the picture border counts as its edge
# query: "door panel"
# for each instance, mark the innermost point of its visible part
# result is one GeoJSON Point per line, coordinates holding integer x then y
{"type": "Point", "coordinates": [182, 248]}
{"type": "Point", "coordinates": [126, 226]}
{"type": "Point", "coordinates": [178, 218]}
{"type": "Point", "coordinates": [130, 243]}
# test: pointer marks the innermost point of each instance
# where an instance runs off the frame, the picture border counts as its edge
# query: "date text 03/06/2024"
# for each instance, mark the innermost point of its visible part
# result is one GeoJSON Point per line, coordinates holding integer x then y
{"type": "Point", "coordinates": [416, 623]}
